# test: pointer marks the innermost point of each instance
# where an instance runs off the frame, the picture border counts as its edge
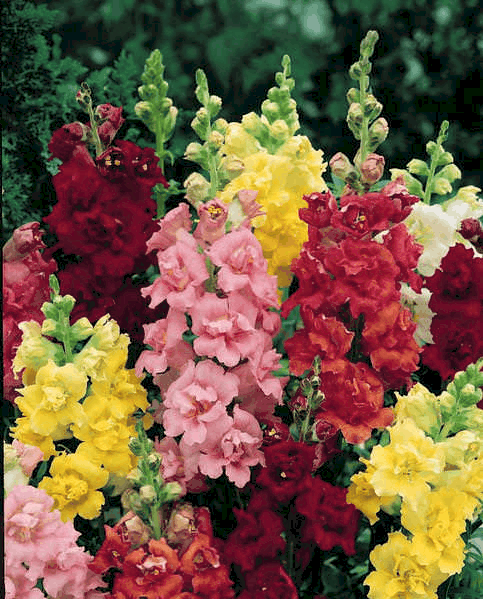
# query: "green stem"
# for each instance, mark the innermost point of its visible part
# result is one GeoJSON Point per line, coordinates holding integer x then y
{"type": "Point", "coordinates": [429, 182]}
{"type": "Point", "coordinates": [156, 522]}
{"type": "Point", "coordinates": [95, 134]}
{"type": "Point", "coordinates": [365, 119]}
{"type": "Point", "coordinates": [66, 339]}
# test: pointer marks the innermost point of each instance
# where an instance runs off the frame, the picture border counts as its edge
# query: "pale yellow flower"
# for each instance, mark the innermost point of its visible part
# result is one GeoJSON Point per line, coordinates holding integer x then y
{"type": "Point", "coordinates": [35, 350]}
{"type": "Point", "coordinates": [421, 406]}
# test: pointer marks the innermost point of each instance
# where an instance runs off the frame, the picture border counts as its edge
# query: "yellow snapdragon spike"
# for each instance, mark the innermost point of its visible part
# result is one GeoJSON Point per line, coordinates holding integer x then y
{"type": "Point", "coordinates": [74, 484]}
{"type": "Point", "coordinates": [281, 181]}
{"type": "Point", "coordinates": [421, 406]}
{"type": "Point", "coordinates": [399, 573]}
{"type": "Point", "coordinates": [35, 350]}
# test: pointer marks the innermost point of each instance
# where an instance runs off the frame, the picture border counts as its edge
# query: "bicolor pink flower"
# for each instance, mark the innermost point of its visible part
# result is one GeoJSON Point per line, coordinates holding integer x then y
{"type": "Point", "coordinates": [170, 226]}
{"type": "Point", "coordinates": [198, 398]}
{"type": "Point", "coordinates": [233, 446]}
{"type": "Point", "coordinates": [213, 216]}
{"type": "Point", "coordinates": [168, 347]}
{"type": "Point", "coordinates": [182, 271]}
{"type": "Point", "coordinates": [263, 362]}
{"type": "Point", "coordinates": [17, 585]}
{"type": "Point", "coordinates": [225, 328]}
{"type": "Point", "coordinates": [240, 256]}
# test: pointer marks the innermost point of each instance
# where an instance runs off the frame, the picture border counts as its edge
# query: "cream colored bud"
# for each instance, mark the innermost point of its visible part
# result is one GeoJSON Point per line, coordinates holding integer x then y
{"type": "Point", "coordinates": [142, 109]}
{"type": "Point", "coordinates": [279, 130]}
{"type": "Point", "coordinates": [202, 114]}
{"type": "Point", "coordinates": [49, 327]}
{"type": "Point", "coordinates": [220, 125]}
{"type": "Point", "coordinates": [216, 139]}
{"type": "Point", "coordinates": [441, 186]}
{"type": "Point", "coordinates": [147, 494]}
{"type": "Point", "coordinates": [197, 189]}
{"type": "Point", "coordinates": [251, 122]}
{"type": "Point", "coordinates": [192, 150]}
{"type": "Point", "coordinates": [233, 166]}
{"type": "Point", "coordinates": [418, 167]}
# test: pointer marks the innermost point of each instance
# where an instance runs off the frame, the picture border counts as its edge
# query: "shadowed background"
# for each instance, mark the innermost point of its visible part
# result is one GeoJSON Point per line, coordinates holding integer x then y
{"type": "Point", "coordinates": [427, 68]}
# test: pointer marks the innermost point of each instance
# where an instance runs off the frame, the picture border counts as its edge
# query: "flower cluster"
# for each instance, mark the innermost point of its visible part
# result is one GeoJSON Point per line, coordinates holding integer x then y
{"type": "Point", "coordinates": [38, 545]}
{"type": "Point", "coordinates": [187, 563]}
{"type": "Point", "coordinates": [350, 303]}
{"type": "Point", "coordinates": [25, 288]}
{"type": "Point", "coordinates": [431, 471]}
{"type": "Point", "coordinates": [457, 302]}
{"type": "Point", "coordinates": [281, 167]}
{"type": "Point", "coordinates": [87, 395]}
{"type": "Point", "coordinates": [289, 506]}
{"type": "Point", "coordinates": [220, 296]}
{"type": "Point", "coordinates": [104, 215]}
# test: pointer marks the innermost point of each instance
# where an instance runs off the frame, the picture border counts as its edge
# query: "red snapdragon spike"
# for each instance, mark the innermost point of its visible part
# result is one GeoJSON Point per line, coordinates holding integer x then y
{"type": "Point", "coordinates": [269, 581]}
{"type": "Point", "coordinates": [274, 431]}
{"type": "Point", "coordinates": [321, 207]}
{"type": "Point", "coordinates": [257, 537]}
{"type": "Point", "coordinates": [112, 122]}
{"type": "Point", "coordinates": [287, 464]}
{"type": "Point", "coordinates": [402, 200]}
{"type": "Point", "coordinates": [330, 520]}
{"type": "Point", "coordinates": [112, 552]}
{"type": "Point", "coordinates": [66, 139]}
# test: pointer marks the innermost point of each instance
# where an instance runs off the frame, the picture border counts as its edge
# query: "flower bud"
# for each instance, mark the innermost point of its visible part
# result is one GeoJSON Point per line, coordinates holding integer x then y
{"type": "Point", "coordinates": [192, 151]}
{"type": "Point", "coordinates": [251, 123]}
{"type": "Point", "coordinates": [216, 140]}
{"type": "Point", "coordinates": [441, 186]}
{"type": "Point", "coordinates": [142, 109]}
{"type": "Point", "coordinates": [181, 525]}
{"type": "Point", "coordinates": [170, 120]}
{"type": "Point", "coordinates": [220, 125]}
{"type": "Point", "coordinates": [130, 500]}
{"type": "Point", "coordinates": [232, 166]}
{"type": "Point", "coordinates": [355, 114]}
{"type": "Point", "coordinates": [49, 327]}
{"type": "Point", "coordinates": [472, 230]}
{"type": "Point", "coordinates": [172, 491]}
{"type": "Point", "coordinates": [450, 172]}
{"type": "Point", "coordinates": [418, 167]}
{"type": "Point", "coordinates": [353, 95]}
{"type": "Point", "coordinates": [135, 446]}
{"type": "Point", "coordinates": [355, 71]}
{"type": "Point", "coordinates": [470, 395]}
{"type": "Point", "coordinates": [214, 105]}
{"type": "Point", "coordinates": [372, 168]}
{"type": "Point", "coordinates": [378, 132]}
{"type": "Point", "coordinates": [154, 461]}
{"type": "Point", "coordinates": [147, 494]}
{"type": "Point", "coordinates": [197, 189]}
{"type": "Point", "coordinates": [341, 166]}
{"type": "Point", "coordinates": [445, 158]}
{"type": "Point", "coordinates": [270, 109]}
{"type": "Point", "coordinates": [279, 130]}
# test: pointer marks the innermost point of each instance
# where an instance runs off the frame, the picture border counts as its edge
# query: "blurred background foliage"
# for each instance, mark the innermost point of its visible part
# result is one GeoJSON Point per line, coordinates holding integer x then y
{"type": "Point", "coordinates": [427, 68]}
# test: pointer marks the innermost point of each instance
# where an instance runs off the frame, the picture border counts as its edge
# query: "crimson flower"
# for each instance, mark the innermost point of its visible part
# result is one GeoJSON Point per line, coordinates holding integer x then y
{"type": "Point", "coordinates": [269, 581]}
{"type": "Point", "coordinates": [329, 519]}
{"type": "Point", "coordinates": [288, 463]}
{"type": "Point", "coordinates": [256, 536]}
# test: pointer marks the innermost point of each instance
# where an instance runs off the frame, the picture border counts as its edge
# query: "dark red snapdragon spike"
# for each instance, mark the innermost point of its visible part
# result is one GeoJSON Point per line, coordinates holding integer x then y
{"type": "Point", "coordinates": [472, 230]}
{"type": "Point", "coordinates": [269, 581]}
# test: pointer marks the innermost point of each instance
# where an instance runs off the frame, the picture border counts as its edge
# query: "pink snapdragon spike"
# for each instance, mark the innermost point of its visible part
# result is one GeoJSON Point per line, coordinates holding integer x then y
{"type": "Point", "coordinates": [16, 585]}
{"type": "Point", "coordinates": [213, 216]}
{"type": "Point", "coordinates": [183, 271]}
{"type": "Point", "coordinates": [197, 399]}
{"type": "Point", "coordinates": [170, 226]}
{"type": "Point", "coordinates": [251, 208]}
{"type": "Point", "coordinates": [225, 328]}
{"type": "Point", "coordinates": [69, 576]}
{"type": "Point", "coordinates": [256, 401]}
{"type": "Point", "coordinates": [234, 446]}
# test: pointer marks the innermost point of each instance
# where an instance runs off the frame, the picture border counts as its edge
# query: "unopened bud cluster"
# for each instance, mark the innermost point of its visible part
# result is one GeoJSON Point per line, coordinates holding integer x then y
{"type": "Point", "coordinates": [149, 490]}
{"type": "Point", "coordinates": [366, 124]}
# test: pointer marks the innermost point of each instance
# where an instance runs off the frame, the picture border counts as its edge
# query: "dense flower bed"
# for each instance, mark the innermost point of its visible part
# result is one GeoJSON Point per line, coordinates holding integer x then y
{"type": "Point", "coordinates": [271, 390]}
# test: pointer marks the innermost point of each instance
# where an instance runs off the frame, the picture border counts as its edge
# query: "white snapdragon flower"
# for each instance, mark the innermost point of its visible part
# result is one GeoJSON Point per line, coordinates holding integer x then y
{"type": "Point", "coordinates": [417, 303]}
{"type": "Point", "coordinates": [436, 230]}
